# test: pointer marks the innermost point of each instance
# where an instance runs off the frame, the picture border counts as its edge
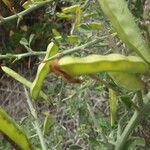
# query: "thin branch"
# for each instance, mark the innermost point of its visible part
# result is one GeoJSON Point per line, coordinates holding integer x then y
{"type": "Point", "coordinates": [23, 13]}
{"type": "Point", "coordinates": [58, 55]}
{"type": "Point", "coordinates": [75, 49]}
{"type": "Point", "coordinates": [20, 56]}
{"type": "Point", "coordinates": [36, 121]}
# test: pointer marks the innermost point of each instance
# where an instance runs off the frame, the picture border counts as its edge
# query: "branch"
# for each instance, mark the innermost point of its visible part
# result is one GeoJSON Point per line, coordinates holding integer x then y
{"type": "Point", "coordinates": [36, 121]}
{"type": "Point", "coordinates": [58, 55]}
{"type": "Point", "coordinates": [23, 13]}
{"type": "Point", "coordinates": [75, 49]}
{"type": "Point", "coordinates": [19, 56]}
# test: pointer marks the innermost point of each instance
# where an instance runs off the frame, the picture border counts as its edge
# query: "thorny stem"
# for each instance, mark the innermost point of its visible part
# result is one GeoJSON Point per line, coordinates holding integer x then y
{"type": "Point", "coordinates": [23, 13]}
{"type": "Point", "coordinates": [36, 121]}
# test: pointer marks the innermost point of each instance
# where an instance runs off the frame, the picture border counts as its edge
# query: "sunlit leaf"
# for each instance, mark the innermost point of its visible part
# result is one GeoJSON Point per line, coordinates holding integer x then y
{"type": "Point", "coordinates": [71, 9]}
{"type": "Point", "coordinates": [13, 131]}
{"type": "Point", "coordinates": [64, 16]}
{"type": "Point", "coordinates": [91, 26]}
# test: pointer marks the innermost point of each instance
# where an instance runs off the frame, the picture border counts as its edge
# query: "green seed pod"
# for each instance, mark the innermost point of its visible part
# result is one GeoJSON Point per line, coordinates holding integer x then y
{"type": "Point", "coordinates": [99, 63]}
{"type": "Point", "coordinates": [42, 71]}
{"type": "Point", "coordinates": [123, 22]}
{"type": "Point", "coordinates": [128, 81]}
{"type": "Point", "coordinates": [9, 128]}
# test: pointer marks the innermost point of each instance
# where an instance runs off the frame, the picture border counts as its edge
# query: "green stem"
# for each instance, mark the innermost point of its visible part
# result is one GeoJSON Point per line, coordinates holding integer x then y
{"type": "Point", "coordinates": [36, 121]}
{"type": "Point", "coordinates": [19, 56]}
{"type": "Point", "coordinates": [23, 13]}
{"type": "Point", "coordinates": [58, 55]}
{"type": "Point", "coordinates": [121, 140]}
{"type": "Point", "coordinates": [75, 49]}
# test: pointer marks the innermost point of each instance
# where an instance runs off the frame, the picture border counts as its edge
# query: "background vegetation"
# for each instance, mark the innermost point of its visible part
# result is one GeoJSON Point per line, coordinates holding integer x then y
{"type": "Point", "coordinates": [78, 114]}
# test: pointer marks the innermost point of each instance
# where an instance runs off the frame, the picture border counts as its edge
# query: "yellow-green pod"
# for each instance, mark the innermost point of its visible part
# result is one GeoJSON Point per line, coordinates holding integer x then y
{"type": "Point", "coordinates": [127, 29]}
{"type": "Point", "coordinates": [127, 81]}
{"type": "Point", "coordinates": [42, 71]}
{"type": "Point", "coordinates": [12, 130]}
{"type": "Point", "coordinates": [102, 63]}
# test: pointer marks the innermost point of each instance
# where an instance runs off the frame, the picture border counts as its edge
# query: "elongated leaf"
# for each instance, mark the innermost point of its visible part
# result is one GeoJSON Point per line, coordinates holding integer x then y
{"type": "Point", "coordinates": [91, 26]}
{"type": "Point", "coordinates": [13, 131]}
{"type": "Point", "coordinates": [48, 123]}
{"type": "Point", "coordinates": [21, 79]}
{"type": "Point", "coordinates": [113, 106]}
{"type": "Point", "coordinates": [71, 9]}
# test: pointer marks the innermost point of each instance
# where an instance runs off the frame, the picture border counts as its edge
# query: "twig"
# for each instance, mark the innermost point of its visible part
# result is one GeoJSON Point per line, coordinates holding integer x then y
{"type": "Point", "coordinates": [36, 121]}
{"type": "Point", "coordinates": [19, 56]}
{"type": "Point", "coordinates": [58, 55]}
{"type": "Point", "coordinates": [23, 13]}
{"type": "Point", "coordinates": [75, 49]}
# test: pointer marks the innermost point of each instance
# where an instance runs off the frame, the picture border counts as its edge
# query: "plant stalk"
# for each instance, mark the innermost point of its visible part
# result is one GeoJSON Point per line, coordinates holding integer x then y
{"type": "Point", "coordinates": [75, 49]}
{"type": "Point", "coordinates": [19, 56]}
{"type": "Point", "coordinates": [23, 13]}
{"type": "Point", "coordinates": [36, 121]}
{"type": "Point", "coordinates": [121, 141]}
{"type": "Point", "coordinates": [58, 55]}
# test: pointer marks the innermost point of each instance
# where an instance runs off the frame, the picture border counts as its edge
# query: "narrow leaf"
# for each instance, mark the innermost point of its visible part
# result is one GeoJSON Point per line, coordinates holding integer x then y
{"type": "Point", "coordinates": [13, 131]}
{"type": "Point", "coordinates": [113, 106]}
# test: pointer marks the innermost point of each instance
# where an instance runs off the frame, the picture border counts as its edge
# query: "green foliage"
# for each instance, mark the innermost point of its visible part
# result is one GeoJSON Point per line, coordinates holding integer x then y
{"type": "Point", "coordinates": [42, 71]}
{"type": "Point", "coordinates": [92, 128]}
{"type": "Point", "coordinates": [10, 129]}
